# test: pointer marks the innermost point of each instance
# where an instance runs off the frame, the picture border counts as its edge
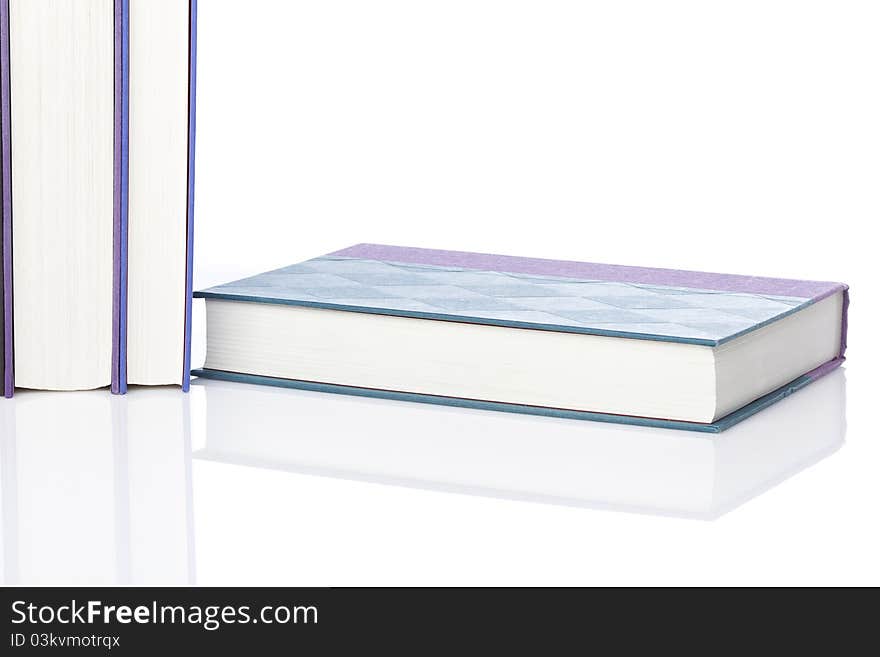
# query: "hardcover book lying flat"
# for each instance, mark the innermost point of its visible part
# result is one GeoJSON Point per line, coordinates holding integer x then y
{"type": "Point", "coordinates": [98, 126]}
{"type": "Point", "coordinates": [636, 345]}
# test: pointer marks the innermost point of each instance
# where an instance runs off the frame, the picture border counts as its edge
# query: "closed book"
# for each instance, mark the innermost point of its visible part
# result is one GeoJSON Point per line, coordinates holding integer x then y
{"type": "Point", "coordinates": [637, 345]}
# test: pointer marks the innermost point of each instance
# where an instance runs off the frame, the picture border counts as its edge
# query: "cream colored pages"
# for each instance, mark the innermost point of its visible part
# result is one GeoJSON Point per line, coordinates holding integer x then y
{"type": "Point", "coordinates": [61, 57]}
{"type": "Point", "coordinates": [158, 142]}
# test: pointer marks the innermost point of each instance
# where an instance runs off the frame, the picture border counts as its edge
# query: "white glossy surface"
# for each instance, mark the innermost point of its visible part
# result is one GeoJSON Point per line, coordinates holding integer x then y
{"type": "Point", "coordinates": [96, 489]}
{"type": "Point", "coordinates": [282, 487]}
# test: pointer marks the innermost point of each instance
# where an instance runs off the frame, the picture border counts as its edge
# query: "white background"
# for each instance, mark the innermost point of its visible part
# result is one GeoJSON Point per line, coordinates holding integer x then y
{"type": "Point", "coordinates": [736, 137]}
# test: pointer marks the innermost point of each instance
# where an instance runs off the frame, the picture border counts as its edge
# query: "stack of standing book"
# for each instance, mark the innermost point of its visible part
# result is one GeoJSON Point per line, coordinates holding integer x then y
{"type": "Point", "coordinates": [98, 109]}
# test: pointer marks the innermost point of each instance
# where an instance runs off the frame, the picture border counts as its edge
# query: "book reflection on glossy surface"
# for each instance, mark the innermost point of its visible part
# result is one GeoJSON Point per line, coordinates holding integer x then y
{"type": "Point", "coordinates": [112, 506]}
{"type": "Point", "coordinates": [596, 465]}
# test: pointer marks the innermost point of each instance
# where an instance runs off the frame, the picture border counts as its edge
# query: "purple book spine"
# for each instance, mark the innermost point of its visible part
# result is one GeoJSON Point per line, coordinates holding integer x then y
{"type": "Point", "coordinates": [190, 199]}
{"type": "Point", "coordinates": [6, 145]}
{"type": "Point", "coordinates": [118, 375]}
